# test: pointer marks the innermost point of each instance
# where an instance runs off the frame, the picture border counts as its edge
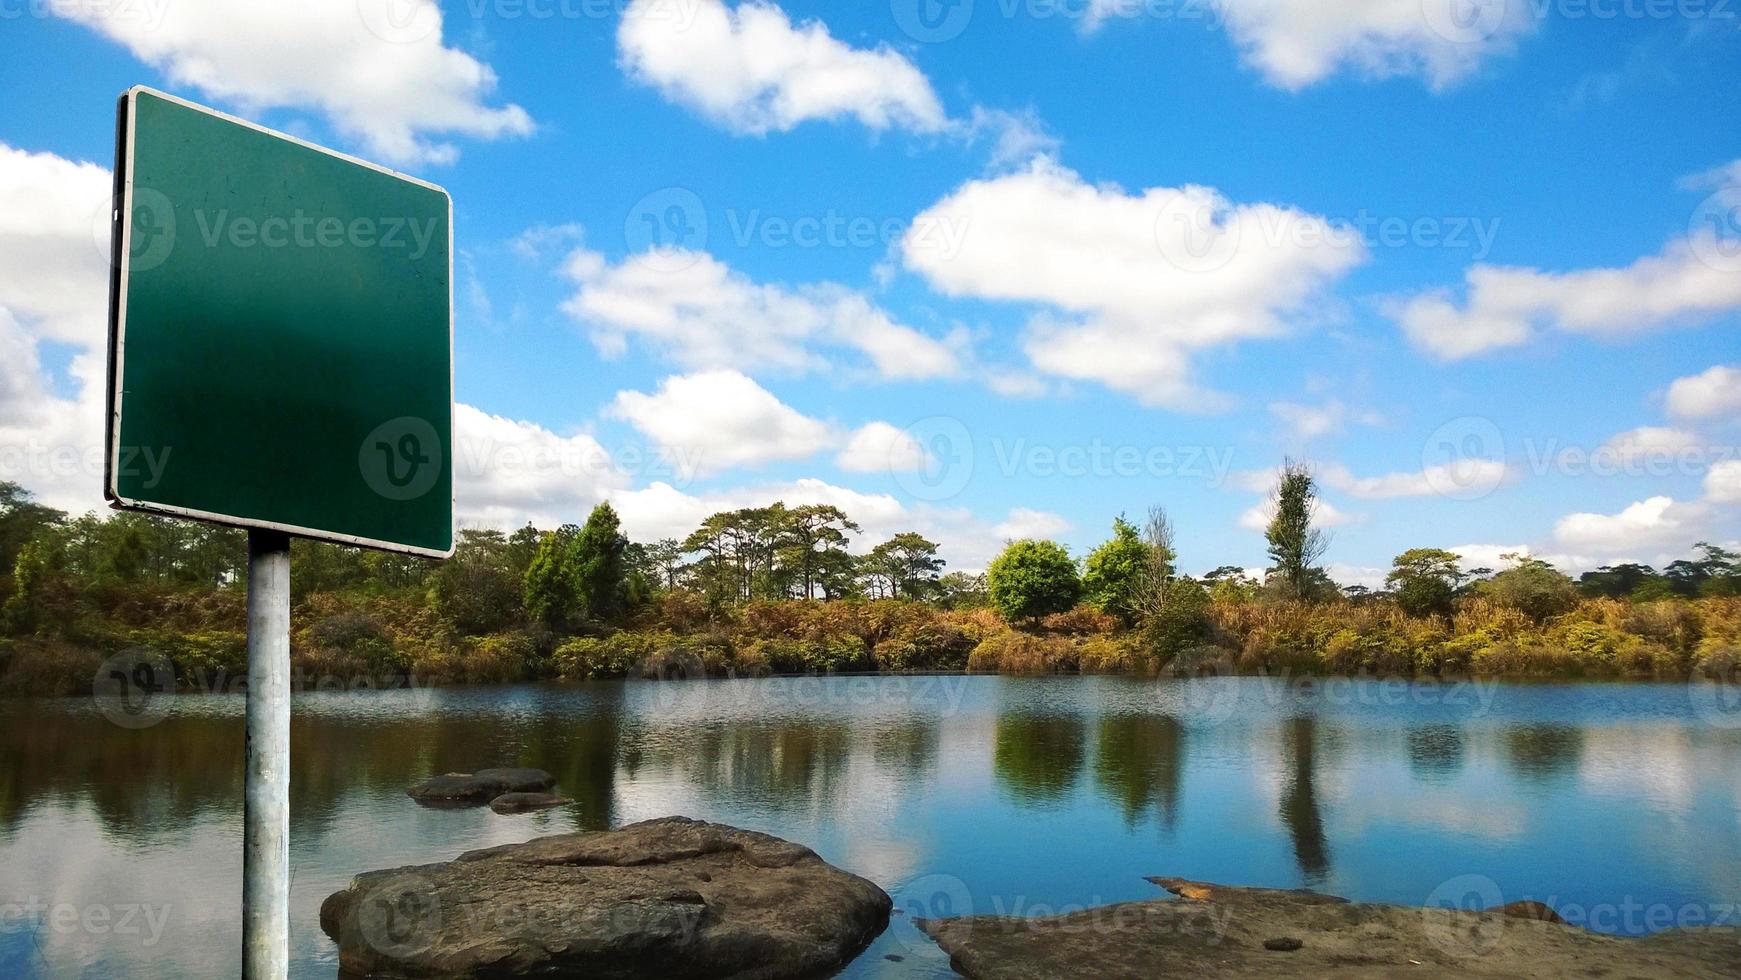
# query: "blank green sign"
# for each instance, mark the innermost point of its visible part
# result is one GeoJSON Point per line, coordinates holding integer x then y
{"type": "Point", "coordinates": [282, 347]}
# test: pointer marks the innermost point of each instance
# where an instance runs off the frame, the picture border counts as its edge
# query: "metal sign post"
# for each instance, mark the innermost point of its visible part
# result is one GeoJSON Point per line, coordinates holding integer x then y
{"type": "Point", "coordinates": [266, 817]}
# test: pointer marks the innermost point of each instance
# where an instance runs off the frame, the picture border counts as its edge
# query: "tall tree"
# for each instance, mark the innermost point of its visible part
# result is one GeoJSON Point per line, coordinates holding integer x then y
{"type": "Point", "coordinates": [552, 589]}
{"type": "Point", "coordinates": [813, 534]}
{"type": "Point", "coordinates": [598, 562]}
{"type": "Point", "coordinates": [1295, 546]}
{"type": "Point", "coordinates": [910, 564]}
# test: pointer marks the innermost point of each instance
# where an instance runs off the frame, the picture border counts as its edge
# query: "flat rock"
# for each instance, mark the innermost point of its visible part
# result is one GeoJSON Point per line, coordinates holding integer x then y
{"type": "Point", "coordinates": [672, 898]}
{"type": "Point", "coordinates": [527, 802]}
{"type": "Point", "coordinates": [1213, 931]}
{"type": "Point", "coordinates": [478, 788]}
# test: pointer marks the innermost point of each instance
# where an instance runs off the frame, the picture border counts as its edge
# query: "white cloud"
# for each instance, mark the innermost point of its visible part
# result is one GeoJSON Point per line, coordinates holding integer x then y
{"type": "Point", "coordinates": [1308, 422]}
{"type": "Point", "coordinates": [539, 240]}
{"type": "Point", "coordinates": [1361, 575]}
{"type": "Point", "coordinates": [1295, 43]}
{"type": "Point", "coordinates": [703, 314]}
{"type": "Point", "coordinates": [508, 472]}
{"type": "Point", "coordinates": [1024, 522]}
{"type": "Point", "coordinates": [376, 68]}
{"type": "Point", "coordinates": [752, 70]}
{"type": "Point", "coordinates": [1648, 443]}
{"type": "Point", "coordinates": [1487, 555]}
{"type": "Point", "coordinates": [50, 445]}
{"type": "Point", "coordinates": [1723, 482]}
{"type": "Point", "coordinates": [1016, 137]}
{"type": "Point", "coordinates": [1137, 281]}
{"type": "Point", "coordinates": [1449, 479]}
{"type": "Point", "coordinates": [1658, 524]}
{"type": "Point", "coordinates": [1713, 393]}
{"type": "Point", "coordinates": [713, 420]}
{"type": "Point", "coordinates": [1504, 306]}
{"type": "Point", "coordinates": [54, 245]}
{"type": "Point", "coordinates": [881, 448]}
{"type": "Point", "coordinates": [54, 286]}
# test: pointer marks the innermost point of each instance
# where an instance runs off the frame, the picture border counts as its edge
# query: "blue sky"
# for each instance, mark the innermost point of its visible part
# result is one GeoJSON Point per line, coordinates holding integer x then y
{"type": "Point", "coordinates": [1446, 250]}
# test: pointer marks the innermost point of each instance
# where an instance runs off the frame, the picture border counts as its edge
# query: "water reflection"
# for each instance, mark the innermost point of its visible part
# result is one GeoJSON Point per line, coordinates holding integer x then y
{"type": "Point", "coordinates": [1543, 752]}
{"type": "Point", "coordinates": [1287, 786]}
{"type": "Point", "coordinates": [1299, 806]}
{"type": "Point", "coordinates": [1435, 752]}
{"type": "Point", "coordinates": [1039, 756]}
{"type": "Point", "coordinates": [1139, 761]}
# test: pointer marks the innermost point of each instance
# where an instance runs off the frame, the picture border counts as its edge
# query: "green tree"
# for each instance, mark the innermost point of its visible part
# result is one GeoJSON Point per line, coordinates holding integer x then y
{"type": "Point", "coordinates": [814, 537]}
{"type": "Point", "coordinates": [1032, 579]}
{"type": "Point", "coordinates": [552, 589]}
{"type": "Point", "coordinates": [1425, 581]}
{"type": "Point", "coordinates": [1295, 546]}
{"type": "Point", "coordinates": [1618, 581]}
{"type": "Point", "coordinates": [1113, 574]}
{"type": "Point", "coordinates": [961, 590]}
{"type": "Point", "coordinates": [598, 563]}
{"type": "Point", "coordinates": [909, 563]}
{"type": "Point", "coordinates": [1230, 583]}
{"type": "Point", "coordinates": [477, 589]}
{"type": "Point", "coordinates": [21, 518]}
{"type": "Point", "coordinates": [1531, 586]}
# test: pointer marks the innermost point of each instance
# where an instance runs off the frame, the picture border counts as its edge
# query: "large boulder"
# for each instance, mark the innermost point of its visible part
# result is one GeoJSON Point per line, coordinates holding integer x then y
{"type": "Point", "coordinates": [672, 898]}
{"type": "Point", "coordinates": [1214, 931]}
{"type": "Point", "coordinates": [478, 788]}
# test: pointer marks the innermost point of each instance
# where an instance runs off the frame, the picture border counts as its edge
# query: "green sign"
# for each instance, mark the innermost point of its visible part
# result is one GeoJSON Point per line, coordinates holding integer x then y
{"type": "Point", "coordinates": [281, 337]}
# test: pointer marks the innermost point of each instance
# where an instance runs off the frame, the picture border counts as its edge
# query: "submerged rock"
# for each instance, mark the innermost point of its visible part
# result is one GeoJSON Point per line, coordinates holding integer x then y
{"type": "Point", "coordinates": [527, 802]}
{"type": "Point", "coordinates": [665, 898]}
{"type": "Point", "coordinates": [1215, 931]}
{"type": "Point", "coordinates": [478, 788]}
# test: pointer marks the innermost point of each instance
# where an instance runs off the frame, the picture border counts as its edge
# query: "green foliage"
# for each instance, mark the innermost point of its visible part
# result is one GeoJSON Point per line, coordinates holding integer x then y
{"type": "Point", "coordinates": [1294, 544]}
{"type": "Point", "coordinates": [552, 589]}
{"type": "Point", "coordinates": [598, 564]}
{"type": "Point", "coordinates": [478, 590]}
{"type": "Point", "coordinates": [906, 564]}
{"type": "Point", "coordinates": [962, 590]}
{"type": "Point", "coordinates": [1425, 581]}
{"type": "Point", "coordinates": [1182, 623]}
{"type": "Point", "coordinates": [1031, 579]}
{"type": "Point", "coordinates": [1532, 587]}
{"type": "Point", "coordinates": [1113, 573]}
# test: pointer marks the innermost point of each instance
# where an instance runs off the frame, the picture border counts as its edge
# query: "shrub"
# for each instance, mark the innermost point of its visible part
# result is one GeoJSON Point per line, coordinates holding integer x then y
{"type": "Point", "coordinates": [499, 658]}
{"type": "Point", "coordinates": [1121, 654]}
{"type": "Point", "coordinates": [358, 640]}
{"type": "Point", "coordinates": [1016, 652]}
{"type": "Point", "coordinates": [617, 655]}
{"type": "Point", "coordinates": [1534, 588]}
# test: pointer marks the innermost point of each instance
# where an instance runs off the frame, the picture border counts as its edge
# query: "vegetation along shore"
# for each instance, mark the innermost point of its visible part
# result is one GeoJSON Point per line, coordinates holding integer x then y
{"type": "Point", "coordinates": [780, 590]}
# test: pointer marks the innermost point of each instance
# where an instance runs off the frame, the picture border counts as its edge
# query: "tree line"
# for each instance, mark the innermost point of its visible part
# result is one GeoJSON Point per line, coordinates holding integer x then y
{"type": "Point", "coordinates": [55, 566]}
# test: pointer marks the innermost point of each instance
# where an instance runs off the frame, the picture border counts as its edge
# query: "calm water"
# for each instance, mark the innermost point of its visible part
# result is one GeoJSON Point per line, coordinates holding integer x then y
{"type": "Point", "coordinates": [995, 794]}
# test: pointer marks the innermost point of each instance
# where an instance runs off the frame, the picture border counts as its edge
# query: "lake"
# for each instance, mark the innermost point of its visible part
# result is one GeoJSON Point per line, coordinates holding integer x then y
{"type": "Point", "coordinates": [1620, 804]}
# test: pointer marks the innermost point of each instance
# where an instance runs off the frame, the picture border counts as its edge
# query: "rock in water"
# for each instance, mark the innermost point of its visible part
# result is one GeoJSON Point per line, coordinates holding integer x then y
{"type": "Point", "coordinates": [1215, 931]}
{"type": "Point", "coordinates": [527, 802]}
{"type": "Point", "coordinates": [672, 898]}
{"type": "Point", "coordinates": [478, 788]}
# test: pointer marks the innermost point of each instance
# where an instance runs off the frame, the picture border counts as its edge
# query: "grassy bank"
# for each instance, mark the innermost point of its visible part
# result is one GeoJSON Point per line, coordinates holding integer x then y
{"type": "Point", "coordinates": [347, 640]}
